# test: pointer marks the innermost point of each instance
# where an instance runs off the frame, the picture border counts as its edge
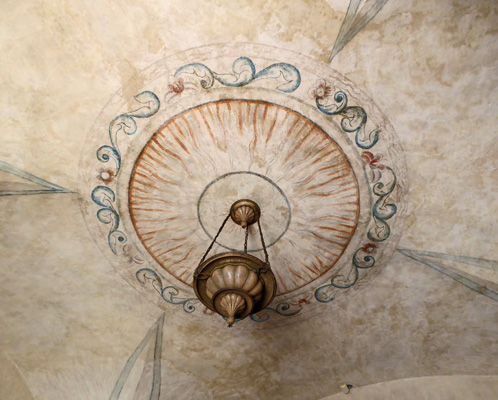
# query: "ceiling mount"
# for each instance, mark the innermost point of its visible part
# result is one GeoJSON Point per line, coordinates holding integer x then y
{"type": "Point", "coordinates": [245, 212]}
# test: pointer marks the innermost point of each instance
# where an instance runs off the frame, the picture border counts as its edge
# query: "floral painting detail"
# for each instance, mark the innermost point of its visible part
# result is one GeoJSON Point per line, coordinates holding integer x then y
{"type": "Point", "coordinates": [106, 175]}
{"type": "Point", "coordinates": [370, 248]}
{"type": "Point", "coordinates": [168, 293]}
{"type": "Point", "coordinates": [363, 257]}
{"type": "Point", "coordinates": [376, 167]}
{"type": "Point", "coordinates": [321, 90]}
{"type": "Point", "coordinates": [103, 195]}
{"type": "Point", "coordinates": [243, 73]}
{"type": "Point", "coordinates": [202, 76]}
{"type": "Point", "coordinates": [305, 299]}
{"type": "Point", "coordinates": [354, 118]}
{"type": "Point", "coordinates": [178, 87]}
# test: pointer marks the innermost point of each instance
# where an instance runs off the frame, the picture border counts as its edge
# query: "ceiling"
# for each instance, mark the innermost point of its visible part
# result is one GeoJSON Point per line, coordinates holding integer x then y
{"type": "Point", "coordinates": [129, 130]}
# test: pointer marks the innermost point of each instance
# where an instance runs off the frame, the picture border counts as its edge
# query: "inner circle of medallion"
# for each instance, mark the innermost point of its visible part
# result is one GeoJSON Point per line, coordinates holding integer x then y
{"type": "Point", "coordinates": [233, 186]}
{"type": "Point", "coordinates": [276, 147]}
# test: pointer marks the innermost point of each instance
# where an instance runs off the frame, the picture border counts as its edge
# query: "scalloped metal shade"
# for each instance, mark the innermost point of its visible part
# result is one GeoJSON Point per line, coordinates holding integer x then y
{"type": "Point", "coordinates": [234, 285]}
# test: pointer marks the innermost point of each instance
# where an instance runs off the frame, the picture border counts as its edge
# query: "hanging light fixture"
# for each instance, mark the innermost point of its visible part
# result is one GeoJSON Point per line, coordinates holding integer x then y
{"type": "Point", "coordinates": [236, 284]}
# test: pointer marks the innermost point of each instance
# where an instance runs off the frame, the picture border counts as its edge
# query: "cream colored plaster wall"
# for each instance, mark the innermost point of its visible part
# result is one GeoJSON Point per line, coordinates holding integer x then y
{"type": "Point", "coordinates": [427, 388]}
{"type": "Point", "coordinates": [431, 66]}
{"type": "Point", "coordinates": [73, 323]}
{"type": "Point", "coordinates": [12, 384]}
{"type": "Point", "coordinates": [63, 60]}
{"type": "Point", "coordinates": [70, 322]}
{"type": "Point", "coordinates": [65, 315]}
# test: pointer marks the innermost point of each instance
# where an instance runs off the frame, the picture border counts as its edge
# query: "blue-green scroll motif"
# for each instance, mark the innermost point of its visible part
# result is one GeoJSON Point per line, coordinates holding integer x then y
{"type": "Point", "coordinates": [283, 309]}
{"type": "Point", "coordinates": [244, 73]}
{"type": "Point", "coordinates": [354, 119]}
{"type": "Point", "coordinates": [382, 210]}
{"type": "Point", "coordinates": [126, 123]}
{"type": "Point", "coordinates": [103, 195]}
{"type": "Point", "coordinates": [362, 259]}
{"type": "Point", "coordinates": [168, 293]}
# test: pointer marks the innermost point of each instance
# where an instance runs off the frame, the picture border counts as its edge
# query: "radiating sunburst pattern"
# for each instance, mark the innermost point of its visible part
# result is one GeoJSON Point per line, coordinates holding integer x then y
{"type": "Point", "coordinates": [299, 176]}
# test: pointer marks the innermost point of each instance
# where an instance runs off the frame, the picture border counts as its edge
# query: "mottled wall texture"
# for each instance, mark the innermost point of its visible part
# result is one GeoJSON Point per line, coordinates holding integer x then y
{"type": "Point", "coordinates": [366, 130]}
{"type": "Point", "coordinates": [12, 384]}
{"type": "Point", "coordinates": [426, 388]}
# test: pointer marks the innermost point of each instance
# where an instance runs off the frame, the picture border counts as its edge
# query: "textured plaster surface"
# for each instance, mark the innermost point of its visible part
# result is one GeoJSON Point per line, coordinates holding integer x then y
{"type": "Point", "coordinates": [172, 233]}
{"type": "Point", "coordinates": [70, 322]}
{"type": "Point", "coordinates": [155, 182]}
{"type": "Point", "coordinates": [434, 73]}
{"type": "Point", "coordinates": [78, 338]}
{"type": "Point", "coordinates": [12, 383]}
{"type": "Point", "coordinates": [427, 388]}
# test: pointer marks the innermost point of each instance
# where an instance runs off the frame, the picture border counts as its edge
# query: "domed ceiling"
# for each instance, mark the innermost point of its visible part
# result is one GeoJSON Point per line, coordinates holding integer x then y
{"type": "Point", "coordinates": [357, 126]}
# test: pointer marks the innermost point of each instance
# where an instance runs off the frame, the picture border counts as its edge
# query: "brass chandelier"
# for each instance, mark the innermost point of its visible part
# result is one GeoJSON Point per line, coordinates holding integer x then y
{"type": "Point", "coordinates": [236, 284]}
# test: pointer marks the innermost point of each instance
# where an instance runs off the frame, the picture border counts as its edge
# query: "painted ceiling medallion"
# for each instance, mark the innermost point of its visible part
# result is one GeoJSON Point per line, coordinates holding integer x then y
{"type": "Point", "coordinates": [293, 135]}
{"type": "Point", "coordinates": [234, 134]}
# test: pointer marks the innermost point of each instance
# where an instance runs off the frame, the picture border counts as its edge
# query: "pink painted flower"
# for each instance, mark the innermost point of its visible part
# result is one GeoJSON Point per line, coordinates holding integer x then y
{"type": "Point", "coordinates": [320, 91]}
{"type": "Point", "coordinates": [370, 248]}
{"type": "Point", "coordinates": [373, 162]}
{"type": "Point", "coordinates": [106, 175]}
{"type": "Point", "coordinates": [302, 301]}
{"type": "Point", "coordinates": [178, 87]}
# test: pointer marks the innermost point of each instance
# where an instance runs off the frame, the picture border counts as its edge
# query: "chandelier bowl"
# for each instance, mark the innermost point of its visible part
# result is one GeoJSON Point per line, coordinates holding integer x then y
{"type": "Point", "coordinates": [234, 284]}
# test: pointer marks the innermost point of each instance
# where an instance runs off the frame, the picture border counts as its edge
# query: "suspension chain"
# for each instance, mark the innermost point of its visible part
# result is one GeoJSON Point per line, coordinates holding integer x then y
{"type": "Point", "coordinates": [245, 241]}
{"type": "Point", "coordinates": [214, 240]}
{"type": "Point", "coordinates": [247, 237]}
{"type": "Point", "coordinates": [263, 243]}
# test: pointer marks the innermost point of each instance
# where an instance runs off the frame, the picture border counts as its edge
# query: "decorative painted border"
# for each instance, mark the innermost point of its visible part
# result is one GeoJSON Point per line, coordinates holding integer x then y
{"type": "Point", "coordinates": [354, 119]}
{"type": "Point", "coordinates": [196, 77]}
{"type": "Point", "coordinates": [103, 195]}
{"type": "Point", "coordinates": [243, 73]}
{"type": "Point", "coordinates": [284, 309]}
{"type": "Point", "coordinates": [168, 293]}
{"type": "Point", "coordinates": [126, 123]}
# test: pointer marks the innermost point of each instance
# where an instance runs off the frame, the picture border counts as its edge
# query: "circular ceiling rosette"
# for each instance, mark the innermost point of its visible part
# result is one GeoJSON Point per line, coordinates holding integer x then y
{"type": "Point", "coordinates": [165, 161]}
